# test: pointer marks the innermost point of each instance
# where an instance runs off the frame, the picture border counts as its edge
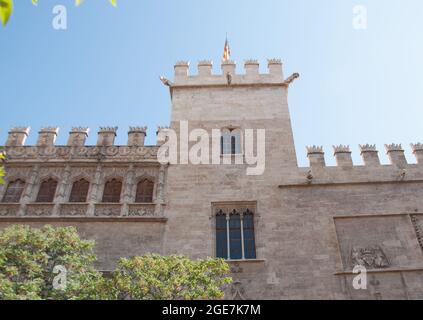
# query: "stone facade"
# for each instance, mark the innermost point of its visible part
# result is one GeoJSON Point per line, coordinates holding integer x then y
{"type": "Point", "coordinates": [311, 225]}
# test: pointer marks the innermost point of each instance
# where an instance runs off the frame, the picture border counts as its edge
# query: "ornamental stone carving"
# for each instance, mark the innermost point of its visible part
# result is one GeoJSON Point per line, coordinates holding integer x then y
{"type": "Point", "coordinates": [371, 257]}
{"type": "Point", "coordinates": [39, 210]}
{"type": "Point", "coordinates": [9, 210]}
{"type": "Point", "coordinates": [115, 153]}
{"type": "Point", "coordinates": [73, 209]}
{"type": "Point", "coordinates": [108, 210]}
{"type": "Point", "coordinates": [141, 210]}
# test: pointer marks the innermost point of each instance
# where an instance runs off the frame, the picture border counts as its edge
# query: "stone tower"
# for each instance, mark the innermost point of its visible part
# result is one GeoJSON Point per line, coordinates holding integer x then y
{"type": "Point", "coordinates": [236, 102]}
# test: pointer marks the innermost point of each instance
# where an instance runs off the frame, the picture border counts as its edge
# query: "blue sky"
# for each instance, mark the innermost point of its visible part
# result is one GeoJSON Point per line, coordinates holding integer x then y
{"type": "Point", "coordinates": [356, 86]}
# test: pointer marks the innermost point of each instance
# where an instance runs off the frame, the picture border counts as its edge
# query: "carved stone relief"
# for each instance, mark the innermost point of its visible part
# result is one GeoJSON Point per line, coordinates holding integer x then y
{"type": "Point", "coordinates": [371, 257]}
{"type": "Point", "coordinates": [237, 291]}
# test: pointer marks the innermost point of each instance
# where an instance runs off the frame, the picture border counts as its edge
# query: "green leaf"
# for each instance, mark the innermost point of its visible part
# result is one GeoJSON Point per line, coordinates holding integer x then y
{"type": "Point", "coordinates": [6, 8]}
{"type": "Point", "coordinates": [34, 2]}
{"type": "Point", "coordinates": [113, 2]}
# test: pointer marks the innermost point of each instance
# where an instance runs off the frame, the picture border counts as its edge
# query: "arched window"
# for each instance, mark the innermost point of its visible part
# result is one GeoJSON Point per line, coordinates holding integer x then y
{"type": "Point", "coordinates": [145, 190]}
{"type": "Point", "coordinates": [14, 191]}
{"type": "Point", "coordinates": [47, 191]}
{"type": "Point", "coordinates": [235, 234]}
{"type": "Point", "coordinates": [230, 141]}
{"type": "Point", "coordinates": [79, 191]}
{"type": "Point", "coordinates": [112, 191]}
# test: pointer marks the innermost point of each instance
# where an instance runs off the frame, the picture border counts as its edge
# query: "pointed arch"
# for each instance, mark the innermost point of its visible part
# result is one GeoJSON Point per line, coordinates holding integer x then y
{"type": "Point", "coordinates": [47, 191]}
{"type": "Point", "coordinates": [14, 191]}
{"type": "Point", "coordinates": [145, 191]}
{"type": "Point", "coordinates": [112, 191]}
{"type": "Point", "coordinates": [79, 192]}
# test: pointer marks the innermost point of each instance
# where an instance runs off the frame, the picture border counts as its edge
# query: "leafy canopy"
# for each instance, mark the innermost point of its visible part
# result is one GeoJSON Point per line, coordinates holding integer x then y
{"type": "Point", "coordinates": [2, 173]}
{"type": "Point", "coordinates": [28, 257]}
{"type": "Point", "coordinates": [6, 8]}
{"type": "Point", "coordinates": [154, 277]}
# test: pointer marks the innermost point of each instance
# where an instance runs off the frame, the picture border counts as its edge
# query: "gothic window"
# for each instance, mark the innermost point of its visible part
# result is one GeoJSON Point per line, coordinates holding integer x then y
{"type": "Point", "coordinates": [79, 191]}
{"type": "Point", "coordinates": [145, 189]}
{"type": "Point", "coordinates": [235, 234]}
{"type": "Point", "coordinates": [14, 191]}
{"type": "Point", "coordinates": [230, 141]}
{"type": "Point", "coordinates": [112, 191]}
{"type": "Point", "coordinates": [47, 191]}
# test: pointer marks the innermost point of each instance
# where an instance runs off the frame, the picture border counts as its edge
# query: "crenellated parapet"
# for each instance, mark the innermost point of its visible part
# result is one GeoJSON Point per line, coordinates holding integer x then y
{"type": "Point", "coordinates": [47, 136]}
{"type": "Point", "coordinates": [316, 156]}
{"type": "Point", "coordinates": [343, 155]}
{"type": "Point", "coordinates": [76, 149]}
{"type": "Point", "coordinates": [78, 136]}
{"type": "Point", "coordinates": [418, 152]}
{"type": "Point", "coordinates": [368, 152]}
{"type": "Point", "coordinates": [228, 75]}
{"type": "Point", "coordinates": [106, 136]}
{"type": "Point", "coordinates": [136, 136]}
{"type": "Point", "coordinates": [161, 134]}
{"type": "Point", "coordinates": [396, 155]}
{"type": "Point", "coordinates": [17, 136]}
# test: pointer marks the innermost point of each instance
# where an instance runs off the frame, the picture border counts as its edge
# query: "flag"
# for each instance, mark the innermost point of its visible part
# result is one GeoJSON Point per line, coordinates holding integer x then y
{"type": "Point", "coordinates": [226, 51]}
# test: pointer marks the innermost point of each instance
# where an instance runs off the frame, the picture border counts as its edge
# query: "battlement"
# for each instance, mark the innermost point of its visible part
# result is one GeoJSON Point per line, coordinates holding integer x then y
{"type": "Point", "coordinates": [77, 136]}
{"type": "Point", "coordinates": [368, 152]}
{"type": "Point", "coordinates": [228, 75]}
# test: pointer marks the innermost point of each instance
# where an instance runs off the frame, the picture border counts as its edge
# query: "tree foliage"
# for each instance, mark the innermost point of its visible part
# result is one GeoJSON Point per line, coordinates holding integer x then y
{"type": "Point", "coordinates": [28, 257]}
{"type": "Point", "coordinates": [6, 8]}
{"type": "Point", "coordinates": [154, 277]}
{"type": "Point", "coordinates": [2, 173]}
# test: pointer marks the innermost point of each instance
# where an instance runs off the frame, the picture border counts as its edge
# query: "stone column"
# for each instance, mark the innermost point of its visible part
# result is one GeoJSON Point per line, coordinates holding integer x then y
{"type": "Point", "coordinates": [93, 198]}
{"type": "Point", "coordinates": [161, 197]}
{"type": "Point", "coordinates": [129, 184]}
{"type": "Point", "coordinates": [28, 196]}
{"type": "Point", "coordinates": [61, 191]}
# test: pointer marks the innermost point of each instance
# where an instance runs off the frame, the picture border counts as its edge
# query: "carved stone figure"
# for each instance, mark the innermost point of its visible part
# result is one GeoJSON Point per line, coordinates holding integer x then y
{"type": "Point", "coordinates": [370, 257]}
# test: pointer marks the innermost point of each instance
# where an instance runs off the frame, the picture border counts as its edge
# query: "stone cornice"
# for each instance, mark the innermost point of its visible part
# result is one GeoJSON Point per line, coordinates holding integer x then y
{"type": "Point", "coordinates": [86, 153]}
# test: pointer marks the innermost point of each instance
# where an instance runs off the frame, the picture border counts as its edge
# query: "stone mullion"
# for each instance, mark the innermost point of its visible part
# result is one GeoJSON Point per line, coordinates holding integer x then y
{"type": "Point", "coordinates": [241, 218]}
{"type": "Point", "coordinates": [28, 194]}
{"type": "Point", "coordinates": [228, 242]}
